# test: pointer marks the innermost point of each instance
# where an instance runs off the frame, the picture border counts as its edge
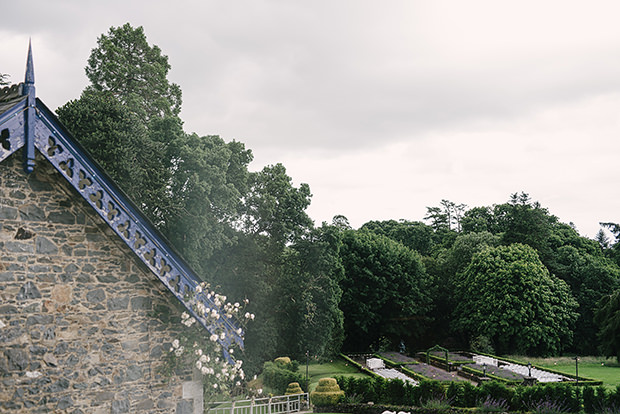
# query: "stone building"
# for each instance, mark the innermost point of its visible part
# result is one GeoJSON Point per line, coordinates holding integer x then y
{"type": "Point", "coordinates": [88, 288]}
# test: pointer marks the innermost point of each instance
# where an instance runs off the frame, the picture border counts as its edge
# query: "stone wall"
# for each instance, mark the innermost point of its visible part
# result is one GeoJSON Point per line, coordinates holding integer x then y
{"type": "Point", "coordinates": [83, 325]}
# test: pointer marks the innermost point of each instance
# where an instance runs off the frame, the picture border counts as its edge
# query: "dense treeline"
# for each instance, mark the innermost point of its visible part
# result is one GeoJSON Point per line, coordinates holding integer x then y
{"type": "Point", "coordinates": [507, 278]}
{"type": "Point", "coordinates": [511, 278]}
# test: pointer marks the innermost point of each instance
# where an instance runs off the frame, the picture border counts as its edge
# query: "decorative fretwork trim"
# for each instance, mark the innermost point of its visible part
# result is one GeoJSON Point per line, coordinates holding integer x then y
{"type": "Point", "coordinates": [12, 130]}
{"type": "Point", "coordinates": [74, 165]}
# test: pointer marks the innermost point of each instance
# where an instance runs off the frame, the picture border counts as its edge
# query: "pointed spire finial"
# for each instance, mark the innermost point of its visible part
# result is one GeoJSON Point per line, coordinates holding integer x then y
{"type": "Point", "coordinates": [30, 115]}
{"type": "Point", "coordinates": [29, 65]}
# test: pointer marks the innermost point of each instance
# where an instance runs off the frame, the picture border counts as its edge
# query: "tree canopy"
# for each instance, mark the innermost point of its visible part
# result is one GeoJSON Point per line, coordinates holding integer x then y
{"type": "Point", "coordinates": [124, 147]}
{"type": "Point", "coordinates": [608, 319]}
{"type": "Point", "coordinates": [507, 295]}
{"type": "Point", "coordinates": [510, 272]}
{"type": "Point", "coordinates": [124, 64]}
{"type": "Point", "coordinates": [385, 290]}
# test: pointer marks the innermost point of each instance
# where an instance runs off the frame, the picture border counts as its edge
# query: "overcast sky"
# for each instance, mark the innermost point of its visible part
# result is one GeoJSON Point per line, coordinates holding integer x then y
{"type": "Point", "coordinates": [383, 107]}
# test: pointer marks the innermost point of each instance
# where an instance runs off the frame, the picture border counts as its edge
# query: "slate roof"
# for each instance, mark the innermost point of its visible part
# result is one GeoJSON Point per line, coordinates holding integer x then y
{"type": "Point", "coordinates": [10, 96]}
{"type": "Point", "coordinates": [25, 122]}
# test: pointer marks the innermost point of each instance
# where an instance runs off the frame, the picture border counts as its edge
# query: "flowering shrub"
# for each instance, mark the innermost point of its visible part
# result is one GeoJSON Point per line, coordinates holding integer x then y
{"type": "Point", "coordinates": [210, 353]}
{"type": "Point", "coordinates": [492, 405]}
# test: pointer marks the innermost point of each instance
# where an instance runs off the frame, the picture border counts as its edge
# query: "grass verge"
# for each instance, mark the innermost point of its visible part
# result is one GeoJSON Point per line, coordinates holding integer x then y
{"type": "Point", "coordinates": [330, 369]}
{"type": "Point", "coordinates": [600, 368]}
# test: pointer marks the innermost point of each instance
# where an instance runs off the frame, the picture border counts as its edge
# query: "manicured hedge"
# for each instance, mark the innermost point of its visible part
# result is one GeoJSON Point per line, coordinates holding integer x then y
{"type": "Point", "coordinates": [380, 408]}
{"type": "Point", "coordinates": [382, 391]}
{"type": "Point", "coordinates": [564, 396]}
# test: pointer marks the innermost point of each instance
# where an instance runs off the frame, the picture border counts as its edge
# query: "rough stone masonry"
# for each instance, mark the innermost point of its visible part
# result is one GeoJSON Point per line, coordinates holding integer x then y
{"type": "Point", "coordinates": [83, 325]}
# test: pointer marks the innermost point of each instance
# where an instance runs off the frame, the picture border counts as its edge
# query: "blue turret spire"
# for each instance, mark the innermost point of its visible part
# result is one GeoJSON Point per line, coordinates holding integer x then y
{"type": "Point", "coordinates": [29, 80]}
{"type": "Point", "coordinates": [29, 91]}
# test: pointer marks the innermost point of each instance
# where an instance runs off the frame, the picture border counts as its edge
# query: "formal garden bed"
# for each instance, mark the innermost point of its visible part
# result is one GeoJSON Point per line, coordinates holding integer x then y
{"type": "Point", "coordinates": [461, 366]}
{"type": "Point", "coordinates": [431, 372]}
{"type": "Point", "coordinates": [491, 371]}
{"type": "Point", "coordinates": [437, 387]}
{"type": "Point", "coordinates": [454, 357]}
{"type": "Point", "coordinates": [396, 358]}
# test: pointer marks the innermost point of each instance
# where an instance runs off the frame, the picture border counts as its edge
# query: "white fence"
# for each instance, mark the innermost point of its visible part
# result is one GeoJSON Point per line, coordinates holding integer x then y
{"type": "Point", "coordinates": [273, 405]}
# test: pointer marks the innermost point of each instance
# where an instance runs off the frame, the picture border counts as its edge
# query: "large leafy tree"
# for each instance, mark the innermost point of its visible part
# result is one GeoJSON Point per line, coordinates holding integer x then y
{"type": "Point", "coordinates": [284, 267]}
{"type": "Point", "coordinates": [191, 187]}
{"type": "Point", "coordinates": [479, 219]}
{"type": "Point", "coordinates": [127, 118]}
{"type": "Point", "coordinates": [608, 319]}
{"type": "Point", "coordinates": [413, 234]}
{"type": "Point", "coordinates": [128, 151]}
{"type": "Point", "coordinates": [447, 216]}
{"type": "Point", "coordinates": [590, 277]}
{"type": "Point", "coordinates": [507, 295]}
{"type": "Point", "coordinates": [209, 180]}
{"type": "Point", "coordinates": [310, 294]}
{"type": "Point", "coordinates": [465, 246]}
{"type": "Point", "coordinates": [275, 209]}
{"type": "Point", "coordinates": [246, 232]}
{"type": "Point", "coordinates": [385, 291]}
{"type": "Point", "coordinates": [444, 266]}
{"type": "Point", "coordinates": [522, 220]}
{"type": "Point", "coordinates": [613, 250]}
{"type": "Point", "coordinates": [124, 64]}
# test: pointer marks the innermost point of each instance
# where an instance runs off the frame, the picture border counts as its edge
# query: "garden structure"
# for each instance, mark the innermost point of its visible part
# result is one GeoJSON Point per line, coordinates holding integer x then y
{"type": "Point", "coordinates": [90, 292]}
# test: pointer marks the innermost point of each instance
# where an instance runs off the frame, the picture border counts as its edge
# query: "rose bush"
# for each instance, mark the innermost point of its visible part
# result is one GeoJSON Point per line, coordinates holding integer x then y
{"type": "Point", "coordinates": [211, 354]}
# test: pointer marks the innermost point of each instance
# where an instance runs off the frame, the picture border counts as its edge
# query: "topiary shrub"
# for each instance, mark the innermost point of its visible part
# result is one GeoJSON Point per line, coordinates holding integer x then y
{"type": "Point", "coordinates": [326, 393]}
{"type": "Point", "coordinates": [293, 388]}
{"type": "Point", "coordinates": [282, 360]}
{"type": "Point", "coordinates": [287, 363]}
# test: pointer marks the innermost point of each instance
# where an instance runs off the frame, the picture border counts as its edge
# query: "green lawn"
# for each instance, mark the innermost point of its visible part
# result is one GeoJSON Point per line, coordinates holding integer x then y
{"type": "Point", "coordinates": [328, 369]}
{"type": "Point", "coordinates": [606, 370]}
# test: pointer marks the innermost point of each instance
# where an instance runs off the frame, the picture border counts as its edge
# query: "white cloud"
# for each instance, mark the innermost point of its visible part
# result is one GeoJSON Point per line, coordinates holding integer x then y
{"type": "Point", "coordinates": [384, 108]}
